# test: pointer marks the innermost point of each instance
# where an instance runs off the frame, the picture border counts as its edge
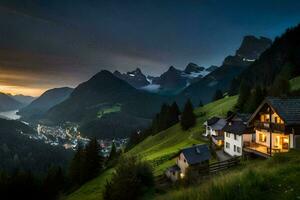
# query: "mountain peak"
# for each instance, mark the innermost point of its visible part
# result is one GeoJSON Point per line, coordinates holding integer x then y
{"type": "Point", "coordinates": [135, 78]}
{"type": "Point", "coordinates": [253, 46]}
{"type": "Point", "coordinates": [192, 67]}
{"type": "Point", "coordinates": [171, 68]}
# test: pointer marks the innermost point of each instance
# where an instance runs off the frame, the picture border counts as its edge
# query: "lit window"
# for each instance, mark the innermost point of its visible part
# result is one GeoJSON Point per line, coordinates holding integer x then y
{"type": "Point", "coordinates": [262, 137]}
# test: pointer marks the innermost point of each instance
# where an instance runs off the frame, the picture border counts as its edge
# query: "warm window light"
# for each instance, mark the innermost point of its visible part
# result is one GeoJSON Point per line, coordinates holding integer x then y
{"type": "Point", "coordinates": [285, 140]}
{"type": "Point", "coordinates": [181, 175]}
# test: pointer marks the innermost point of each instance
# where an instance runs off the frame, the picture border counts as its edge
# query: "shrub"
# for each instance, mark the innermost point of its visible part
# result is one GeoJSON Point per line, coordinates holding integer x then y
{"type": "Point", "coordinates": [130, 180]}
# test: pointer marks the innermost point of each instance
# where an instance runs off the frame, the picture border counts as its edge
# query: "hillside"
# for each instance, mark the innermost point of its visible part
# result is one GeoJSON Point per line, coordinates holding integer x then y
{"type": "Point", "coordinates": [295, 83]}
{"type": "Point", "coordinates": [26, 100]}
{"type": "Point", "coordinates": [8, 103]}
{"type": "Point", "coordinates": [160, 147]}
{"type": "Point", "coordinates": [277, 178]}
{"type": "Point", "coordinates": [48, 99]}
{"type": "Point", "coordinates": [282, 57]}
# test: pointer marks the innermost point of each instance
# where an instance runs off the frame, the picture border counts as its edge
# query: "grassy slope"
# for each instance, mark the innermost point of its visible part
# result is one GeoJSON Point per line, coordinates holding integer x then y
{"type": "Point", "coordinates": [295, 83]}
{"type": "Point", "coordinates": [163, 144]}
{"type": "Point", "coordinates": [277, 178]}
{"type": "Point", "coordinates": [92, 189]}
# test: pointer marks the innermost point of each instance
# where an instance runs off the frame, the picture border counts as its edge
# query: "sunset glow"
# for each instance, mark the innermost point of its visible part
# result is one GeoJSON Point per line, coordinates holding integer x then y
{"type": "Point", "coordinates": [21, 90]}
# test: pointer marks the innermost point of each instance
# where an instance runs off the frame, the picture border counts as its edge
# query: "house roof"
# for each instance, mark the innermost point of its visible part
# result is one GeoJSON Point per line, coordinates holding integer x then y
{"type": "Point", "coordinates": [287, 108]}
{"type": "Point", "coordinates": [219, 125]}
{"type": "Point", "coordinates": [196, 154]}
{"type": "Point", "coordinates": [174, 168]}
{"type": "Point", "coordinates": [237, 127]}
{"type": "Point", "coordinates": [212, 121]}
{"type": "Point", "coordinates": [243, 116]}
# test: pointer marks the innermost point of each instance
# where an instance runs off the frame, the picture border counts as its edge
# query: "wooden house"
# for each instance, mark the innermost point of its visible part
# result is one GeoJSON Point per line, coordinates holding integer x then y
{"type": "Point", "coordinates": [276, 123]}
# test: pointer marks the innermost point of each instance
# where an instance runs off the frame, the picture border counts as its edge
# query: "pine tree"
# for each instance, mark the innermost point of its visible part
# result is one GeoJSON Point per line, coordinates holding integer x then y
{"type": "Point", "coordinates": [75, 169]}
{"type": "Point", "coordinates": [257, 96]}
{"type": "Point", "coordinates": [281, 87]}
{"type": "Point", "coordinates": [113, 153]}
{"type": "Point", "coordinates": [53, 183]}
{"type": "Point", "coordinates": [173, 116]}
{"type": "Point", "coordinates": [200, 104]}
{"type": "Point", "coordinates": [188, 118]}
{"type": "Point", "coordinates": [92, 159]}
{"type": "Point", "coordinates": [218, 95]}
{"type": "Point", "coordinates": [244, 94]}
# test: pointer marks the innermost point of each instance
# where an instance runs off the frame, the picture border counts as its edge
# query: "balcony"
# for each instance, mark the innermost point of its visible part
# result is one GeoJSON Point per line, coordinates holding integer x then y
{"type": "Point", "coordinates": [269, 126]}
{"type": "Point", "coordinates": [262, 150]}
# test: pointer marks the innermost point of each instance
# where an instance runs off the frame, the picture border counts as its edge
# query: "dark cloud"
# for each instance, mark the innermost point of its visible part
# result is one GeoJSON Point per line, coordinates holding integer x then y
{"type": "Point", "coordinates": [65, 42]}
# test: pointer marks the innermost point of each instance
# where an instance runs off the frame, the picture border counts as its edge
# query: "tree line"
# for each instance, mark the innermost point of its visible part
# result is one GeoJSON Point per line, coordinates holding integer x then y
{"type": "Point", "coordinates": [168, 116]}
{"type": "Point", "coordinates": [86, 164]}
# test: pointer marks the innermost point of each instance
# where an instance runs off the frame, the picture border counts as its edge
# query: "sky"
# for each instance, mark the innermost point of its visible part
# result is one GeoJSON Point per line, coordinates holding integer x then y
{"type": "Point", "coordinates": [54, 43]}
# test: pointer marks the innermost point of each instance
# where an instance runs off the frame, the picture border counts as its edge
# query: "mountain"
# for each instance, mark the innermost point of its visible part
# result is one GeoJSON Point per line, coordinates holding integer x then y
{"type": "Point", "coordinates": [48, 99]}
{"type": "Point", "coordinates": [101, 95]}
{"type": "Point", "coordinates": [135, 78]}
{"type": "Point", "coordinates": [212, 68]}
{"type": "Point", "coordinates": [282, 58]}
{"type": "Point", "coordinates": [17, 151]}
{"type": "Point", "coordinates": [193, 68]}
{"type": "Point", "coordinates": [172, 79]}
{"type": "Point", "coordinates": [169, 83]}
{"type": "Point", "coordinates": [26, 100]}
{"type": "Point", "coordinates": [220, 78]}
{"type": "Point", "coordinates": [8, 103]}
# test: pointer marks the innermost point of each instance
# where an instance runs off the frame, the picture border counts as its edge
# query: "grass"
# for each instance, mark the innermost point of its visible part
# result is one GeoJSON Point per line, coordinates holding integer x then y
{"type": "Point", "coordinates": [112, 109]}
{"type": "Point", "coordinates": [161, 147]}
{"type": "Point", "coordinates": [295, 83]}
{"type": "Point", "coordinates": [170, 141]}
{"type": "Point", "coordinates": [277, 178]}
{"type": "Point", "coordinates": [91, 190]}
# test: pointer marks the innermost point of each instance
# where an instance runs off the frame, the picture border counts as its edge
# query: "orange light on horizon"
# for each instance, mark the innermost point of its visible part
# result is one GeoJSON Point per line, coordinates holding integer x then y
{"type": "Point", "coordinates": [14, 90]}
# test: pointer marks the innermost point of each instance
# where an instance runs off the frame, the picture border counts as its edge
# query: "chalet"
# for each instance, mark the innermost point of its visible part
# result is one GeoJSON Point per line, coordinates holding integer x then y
{"type": "Point", "coordinates": [214, 129]}
{"type": "Point", "coordinates": [276, 124]}
{"type": "Point", "coordinates": [236, 134]}
{"type": "Point", "coordinates": [191, 158]}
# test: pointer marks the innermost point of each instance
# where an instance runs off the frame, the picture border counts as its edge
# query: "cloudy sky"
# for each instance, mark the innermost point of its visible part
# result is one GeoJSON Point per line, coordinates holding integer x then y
{"type": "Point", "coordinates": [46, 44]}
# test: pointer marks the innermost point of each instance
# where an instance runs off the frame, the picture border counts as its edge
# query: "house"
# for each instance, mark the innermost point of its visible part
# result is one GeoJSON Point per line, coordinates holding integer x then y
{"type": "Point", "coordinates": [214, 129]}
{"type": "Point", "coordinates": [208, 125]}
{"type": "Point", "coordinates": [276, 124]}
{"type": "Point", "coordinates": [236, 133]}
{"type": "Point", "coordinates": [191, 158]}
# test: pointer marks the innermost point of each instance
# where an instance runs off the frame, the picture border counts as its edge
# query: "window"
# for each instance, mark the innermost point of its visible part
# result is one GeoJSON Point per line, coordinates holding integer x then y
{"type": "Point", "coordinates": [235, 137]}
{"type": "Point", "coordinates": [262, 137]}
{"type": "Point", "coordinates": [185, 160]}
{"type": "Point", "coordinates": [227, 145]}
{"type": "Point", "coordinates": [238, 149]}
{"type": "Point", "coordinates": [234, 148]}
{"type": "Point", "coordinates": [228, 135]}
